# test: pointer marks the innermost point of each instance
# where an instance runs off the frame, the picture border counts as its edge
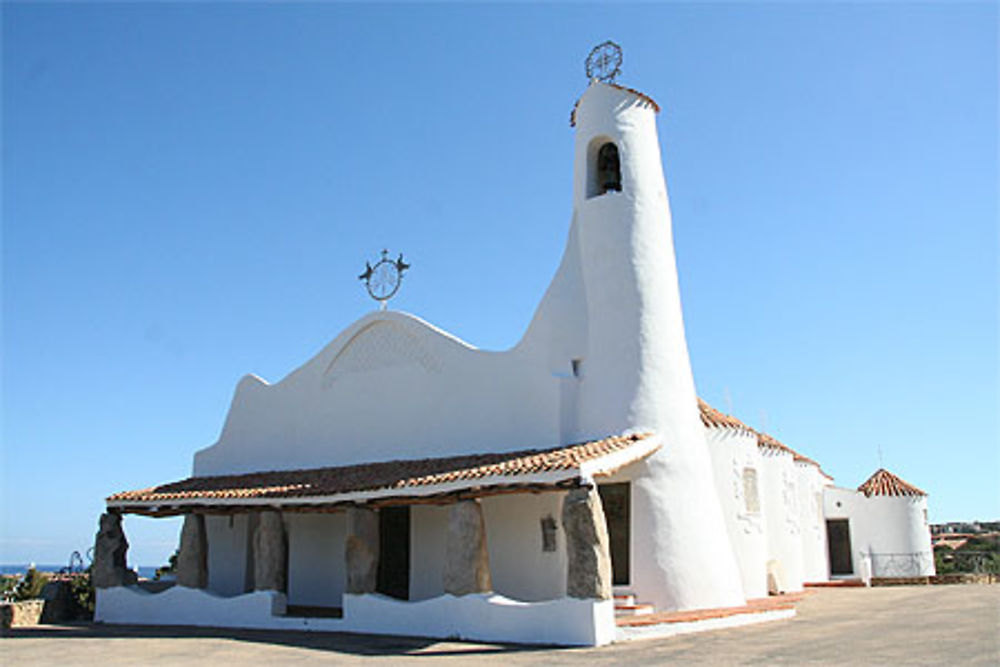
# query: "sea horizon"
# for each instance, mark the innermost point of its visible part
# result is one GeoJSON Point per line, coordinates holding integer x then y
{"type": "Point", "coordinates": [8, 569]}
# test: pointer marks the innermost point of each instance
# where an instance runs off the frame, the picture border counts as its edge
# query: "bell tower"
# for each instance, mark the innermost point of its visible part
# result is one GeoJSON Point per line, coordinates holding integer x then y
{"type": "Point", "coordinates": [637, 374]}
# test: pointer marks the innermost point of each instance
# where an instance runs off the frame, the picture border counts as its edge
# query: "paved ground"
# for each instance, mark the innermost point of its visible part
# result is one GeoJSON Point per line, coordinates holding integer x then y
{"type": "Point", "coordinates": [919, 625]}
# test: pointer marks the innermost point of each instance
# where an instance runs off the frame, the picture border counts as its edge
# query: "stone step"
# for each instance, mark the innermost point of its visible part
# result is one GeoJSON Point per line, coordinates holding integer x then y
{"type": "Point", "coordinates": [633, 609]}
{"type": "Point", "coordinates": [624, 598]}
{"type": "Point", "coordinates": [835, 583]}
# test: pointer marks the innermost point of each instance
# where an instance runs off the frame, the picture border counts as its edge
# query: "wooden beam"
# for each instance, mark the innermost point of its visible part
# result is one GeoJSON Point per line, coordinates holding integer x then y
{"type": "Point", "coordinates": [443, 498]}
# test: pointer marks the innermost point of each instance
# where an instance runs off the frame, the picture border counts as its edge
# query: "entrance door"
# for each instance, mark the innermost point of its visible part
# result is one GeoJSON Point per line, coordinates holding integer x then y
{"type": "Point", "coordinates": [617, 510]}
{"type": "Point", "coordinates": [838, 542]}
{"type": "Point", "coordinates": [393, 577]}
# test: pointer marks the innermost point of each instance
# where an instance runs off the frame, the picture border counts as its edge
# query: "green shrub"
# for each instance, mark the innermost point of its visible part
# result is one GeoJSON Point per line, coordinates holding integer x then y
{"type": "Point", "coordinates": [169, 568]}
{"type": "Point", "coordinates": [30, 585]}
{"type": "Point", "coordinates": [82, 591]}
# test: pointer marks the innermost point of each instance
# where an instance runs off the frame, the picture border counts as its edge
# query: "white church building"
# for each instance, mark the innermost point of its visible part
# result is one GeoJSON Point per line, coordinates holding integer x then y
{"type": "Point", "coordinates": [514, 495]}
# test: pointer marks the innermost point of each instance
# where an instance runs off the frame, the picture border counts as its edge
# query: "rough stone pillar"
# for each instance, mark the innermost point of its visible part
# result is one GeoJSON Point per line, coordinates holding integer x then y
{"type": "Point", "coordinates": [192, 557]}
{"type": "Point", "coordinates": [270, 552]}
{"type": "Point", "coordinates": [361, 550]}
{"type": "Point", "coordinates": [110, 549]}
{"type": "Point", "coordinates": [588, 572]}
{"type": "Point", "coordinates": [467, 568]}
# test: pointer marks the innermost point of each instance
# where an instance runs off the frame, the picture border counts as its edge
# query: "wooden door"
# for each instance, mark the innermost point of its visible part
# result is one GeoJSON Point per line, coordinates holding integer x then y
{"type": "Point", "coordinates": [393, 577]}
{"type": "Point", "coordinates": [838, 542]}
{"type": "Point", "coordinates": [616, 499]}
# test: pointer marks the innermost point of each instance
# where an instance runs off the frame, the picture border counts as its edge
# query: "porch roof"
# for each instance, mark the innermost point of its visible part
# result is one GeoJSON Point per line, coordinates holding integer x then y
{"type": "Point", "coordinates": [392, 482]}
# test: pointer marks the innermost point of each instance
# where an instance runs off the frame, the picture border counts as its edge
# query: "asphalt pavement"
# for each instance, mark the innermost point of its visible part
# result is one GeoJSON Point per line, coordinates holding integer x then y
{"type": "Point", "coordinates": [911, 625]}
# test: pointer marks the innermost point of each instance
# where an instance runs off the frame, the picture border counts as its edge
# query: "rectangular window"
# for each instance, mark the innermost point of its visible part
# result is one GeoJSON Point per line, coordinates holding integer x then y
{"type": "Point", "coordinates": [751, 498]}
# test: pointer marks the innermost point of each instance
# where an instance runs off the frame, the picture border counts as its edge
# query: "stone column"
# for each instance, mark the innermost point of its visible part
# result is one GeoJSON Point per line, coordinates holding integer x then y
{"type": "Point", "coordinates": [270, 553]}
{"type": "Point", "coordinates": [588, 573]}
{"type": "Point", "coordinates": [110, 549]}
{"type": "Point", "coordinates": [467, 568]}
{"type": "Point", "coordinates": [192, 557]}
{"type": "Point", "coordinates": [361, 550]}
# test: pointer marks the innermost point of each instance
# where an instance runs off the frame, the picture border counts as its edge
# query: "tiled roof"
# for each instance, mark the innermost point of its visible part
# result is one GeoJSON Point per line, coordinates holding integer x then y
{"type": "Point", "coordinates": [713, 418]}
{"type": "Point", "coordinates": [408, 474]}
{"type": "Point", "coordinates": [765, 441]}
{"type": "Point", "coordinates": [643, 96]}
{"type": "Point", "coordinates": [884, 483]}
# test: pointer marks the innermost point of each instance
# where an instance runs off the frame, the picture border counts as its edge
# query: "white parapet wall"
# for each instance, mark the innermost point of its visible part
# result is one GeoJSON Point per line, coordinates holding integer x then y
{"type": "Point", "coordinates": [487, 617]}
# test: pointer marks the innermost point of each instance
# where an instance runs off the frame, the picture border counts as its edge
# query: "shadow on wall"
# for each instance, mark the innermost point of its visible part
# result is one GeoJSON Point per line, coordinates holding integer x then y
{"type": "Point", "coordinates": [334, 642]}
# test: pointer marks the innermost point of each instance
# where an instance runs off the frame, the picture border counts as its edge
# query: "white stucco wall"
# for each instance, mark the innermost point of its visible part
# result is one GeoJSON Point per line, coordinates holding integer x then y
{"type": "Point", "coordinates": [316, 568]}
{"type": "Point", "coordinates": [779, 491]}
{"type": "Point", "coordinates": [812, 522]}
{"type": "Point", "coordinates": [228, 542]}
{"type": "Point", "coordinates": [898, 537]}
{"type": "Point", "coordinates": [428, 544]}
{"type": "Point", "coordinates": [520, 569]}
{"type": "Point", "coordinates": [732, 452]}
{"type": "Point", "coordinates": [840, 503]}
{"type": "Point", "coordinates": [636, 370]}
{"type": "Point", "coordinates": [437, 396]}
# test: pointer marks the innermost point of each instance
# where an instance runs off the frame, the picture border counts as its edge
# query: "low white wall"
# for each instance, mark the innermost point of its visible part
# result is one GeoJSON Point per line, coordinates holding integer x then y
{"type": "Point", "coordinates": [187, 606]}
{"type": "Point", "coordinates": [567, 621]}
{"type": "Point", "coordinates": [316, 569]}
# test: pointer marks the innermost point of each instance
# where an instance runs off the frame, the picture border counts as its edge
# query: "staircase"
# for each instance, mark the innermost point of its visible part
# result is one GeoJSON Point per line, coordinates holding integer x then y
{"type": "Point", "coordinates": [625, 605]}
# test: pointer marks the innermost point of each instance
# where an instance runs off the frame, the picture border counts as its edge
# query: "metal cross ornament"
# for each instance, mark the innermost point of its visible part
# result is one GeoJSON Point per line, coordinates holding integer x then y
{"type": "Point", "coordinates": [382, 280]}
{"type": "Point", "coordinates": [605, 62]}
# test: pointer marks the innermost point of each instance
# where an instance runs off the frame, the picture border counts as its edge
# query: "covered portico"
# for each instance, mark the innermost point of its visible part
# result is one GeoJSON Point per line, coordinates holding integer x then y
{"type": "Point", "coordinates": [504, 546]}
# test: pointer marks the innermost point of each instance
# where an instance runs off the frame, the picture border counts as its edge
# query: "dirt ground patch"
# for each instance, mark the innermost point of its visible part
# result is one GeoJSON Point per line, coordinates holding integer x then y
{"type": "Point", "coordinates": [913, 625]}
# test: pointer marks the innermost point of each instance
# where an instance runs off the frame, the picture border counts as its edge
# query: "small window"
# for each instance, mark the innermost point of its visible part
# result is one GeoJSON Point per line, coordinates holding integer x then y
{"type": "Point", "coordinates": [751, 498]}
{"type": "Point", "coordinates": [548, 534]}
{"type": "Point", "coordinates": [577, 366]}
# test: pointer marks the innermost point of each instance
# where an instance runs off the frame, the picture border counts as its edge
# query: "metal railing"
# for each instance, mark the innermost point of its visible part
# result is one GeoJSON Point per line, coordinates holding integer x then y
{"type": "Point", "coordinates": [916, 564]}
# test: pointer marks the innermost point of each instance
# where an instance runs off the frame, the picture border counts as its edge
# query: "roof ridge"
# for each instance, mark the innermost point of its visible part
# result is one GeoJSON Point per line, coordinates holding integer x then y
{"type": "Point", "coordinates": [884, 483]}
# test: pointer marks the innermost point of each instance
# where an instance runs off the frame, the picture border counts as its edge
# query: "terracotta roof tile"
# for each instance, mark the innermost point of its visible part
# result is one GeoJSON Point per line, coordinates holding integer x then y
{"type": "Point", "coordinates": [713, 418]}
{"type": "Point", "coordinates": [382, 475]}
{"type": "Point", "coordinates": [884, 483]}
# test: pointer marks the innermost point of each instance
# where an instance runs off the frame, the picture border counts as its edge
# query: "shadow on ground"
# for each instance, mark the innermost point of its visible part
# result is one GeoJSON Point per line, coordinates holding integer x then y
{"type": "Point", "coordinates": [337, 642]}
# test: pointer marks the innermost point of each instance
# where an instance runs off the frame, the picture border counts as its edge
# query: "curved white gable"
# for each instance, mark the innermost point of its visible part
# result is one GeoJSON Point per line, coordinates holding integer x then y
{"type": "Point", "coordinates": [390, 386]}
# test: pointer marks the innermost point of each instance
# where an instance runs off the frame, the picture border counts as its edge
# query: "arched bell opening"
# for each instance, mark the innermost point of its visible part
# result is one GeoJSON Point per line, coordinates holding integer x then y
{"type": "Point", "coordinates": [604, 173]}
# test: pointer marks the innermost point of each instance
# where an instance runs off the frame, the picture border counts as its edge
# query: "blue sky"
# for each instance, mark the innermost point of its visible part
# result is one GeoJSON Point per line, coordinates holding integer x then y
{"type": "Point", "coordinates": [190, 190]}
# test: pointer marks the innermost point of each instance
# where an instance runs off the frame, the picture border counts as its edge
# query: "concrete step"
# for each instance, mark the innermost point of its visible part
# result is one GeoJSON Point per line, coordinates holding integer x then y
{"type": "Point", "coordinates": [624, 598]}
{"type": "Point", "coordinates": [835, 583]}
{"type": "Point", "coordinates": [633, 609]}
